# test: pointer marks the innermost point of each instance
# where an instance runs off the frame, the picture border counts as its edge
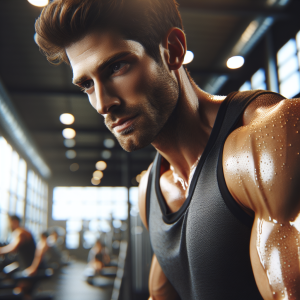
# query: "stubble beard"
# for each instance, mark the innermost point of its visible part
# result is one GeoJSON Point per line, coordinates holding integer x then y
{"type": "Point", "coordinates": [162, 96]}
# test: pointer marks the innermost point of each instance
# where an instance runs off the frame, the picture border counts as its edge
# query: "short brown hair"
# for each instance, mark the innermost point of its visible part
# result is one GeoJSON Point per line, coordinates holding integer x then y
{"type": "Point", "coordinates": [64, 22]}
{"type": "Point", "coordinates": [15, 218]}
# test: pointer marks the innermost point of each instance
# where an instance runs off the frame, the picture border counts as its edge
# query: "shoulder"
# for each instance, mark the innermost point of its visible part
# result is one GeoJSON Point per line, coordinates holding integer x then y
{"type": "Point", "coordinates": [21, 234]}
{"type": "Point", "coordinates": [143, 196]}
{"type": "Point", "coordinates": [261, 158]}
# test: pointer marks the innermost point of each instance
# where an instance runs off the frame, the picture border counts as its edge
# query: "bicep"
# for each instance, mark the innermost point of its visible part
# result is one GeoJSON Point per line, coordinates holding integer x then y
{"type": "Point", "coordinates": [159, 286]}
{"type": "Point", "coordinates": [261, 163]}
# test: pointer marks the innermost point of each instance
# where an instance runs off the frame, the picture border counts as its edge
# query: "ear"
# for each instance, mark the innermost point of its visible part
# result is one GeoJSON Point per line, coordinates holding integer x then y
{"type": "Point", "coordinates": [175, 48]}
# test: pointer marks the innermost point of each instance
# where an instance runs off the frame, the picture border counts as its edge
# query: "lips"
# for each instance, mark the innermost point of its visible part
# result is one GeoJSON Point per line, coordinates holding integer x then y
{"type": "Point", "coordinates": [123, 124]}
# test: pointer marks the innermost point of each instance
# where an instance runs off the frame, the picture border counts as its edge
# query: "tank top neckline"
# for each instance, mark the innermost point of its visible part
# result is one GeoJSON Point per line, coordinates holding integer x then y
{"type": "Point", "coordinates": [171, 218]}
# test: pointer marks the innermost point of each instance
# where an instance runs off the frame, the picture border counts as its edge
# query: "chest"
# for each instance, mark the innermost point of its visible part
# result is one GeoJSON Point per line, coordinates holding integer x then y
{"type": "Point", "coordinates": [203, 244]}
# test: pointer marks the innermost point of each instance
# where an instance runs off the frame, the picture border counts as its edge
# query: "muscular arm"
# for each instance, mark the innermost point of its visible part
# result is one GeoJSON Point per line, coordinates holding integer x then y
{"type": "Point", "coordinates": [38, 256]}
{"type": "Point", "coordinates": [13, 246]}
{"type": "Point", "coordinates": [159, 286]}
{"type": "Point", "coordinates": [262, 170]}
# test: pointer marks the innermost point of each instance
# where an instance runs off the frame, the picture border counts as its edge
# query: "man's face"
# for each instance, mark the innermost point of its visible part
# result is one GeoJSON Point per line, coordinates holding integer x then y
{"type": "Point", "coordinates": [13, 224]}
{"type": "Point", "coordinates": [134, 93]}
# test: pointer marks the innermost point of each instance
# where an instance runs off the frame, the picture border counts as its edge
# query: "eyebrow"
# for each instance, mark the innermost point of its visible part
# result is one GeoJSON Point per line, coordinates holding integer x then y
{"type": "Point", "coordinates": [102, 66]}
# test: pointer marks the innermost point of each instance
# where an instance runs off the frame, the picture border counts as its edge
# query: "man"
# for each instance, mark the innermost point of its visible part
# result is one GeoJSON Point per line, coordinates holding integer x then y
{"type": "Point", "coordinates": [22, 243]}
{"type": "Point", "coordinates": [225, 177]}
{"type": "Point", "coordinates": [39, 260]}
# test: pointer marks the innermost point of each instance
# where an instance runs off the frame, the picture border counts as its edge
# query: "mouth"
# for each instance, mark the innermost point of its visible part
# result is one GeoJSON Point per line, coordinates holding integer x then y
{"type": "Point", "coordinates": [123, 124]}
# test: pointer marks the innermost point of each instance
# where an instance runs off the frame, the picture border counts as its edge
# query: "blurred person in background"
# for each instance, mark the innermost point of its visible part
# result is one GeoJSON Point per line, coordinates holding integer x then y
{"type": "Point", "coordinates": [40, 260]}
{"type": "Point", "coordinates": [98, 258]}
{"type": "Point", "coordinates": [22, 243]}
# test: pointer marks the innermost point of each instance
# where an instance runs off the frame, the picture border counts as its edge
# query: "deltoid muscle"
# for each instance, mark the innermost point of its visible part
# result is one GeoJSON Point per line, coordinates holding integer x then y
{"type": "Point", "coordinates": [279, 252]}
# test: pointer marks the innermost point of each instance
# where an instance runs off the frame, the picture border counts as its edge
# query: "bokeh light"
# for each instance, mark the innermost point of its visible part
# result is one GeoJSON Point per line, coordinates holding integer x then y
{"type": "Point", "coordinates": [98, 174]}
{"type": "Point", "coordinates": [39, 3]}
{"type": "Point", "coordinates": [69, 143]}
{"type": "Point", "coordinates": [67, 119]}
{"type": "Point", "coordinates": [109, 143]}
{"type": "Point", "coordinates": [69, 133]}
{"type": "Point", "coordinates": [235, 62]}
{"type": "Point", "coordinates": [106, 154]}
{"type": "Point", "coordinates": [101, 165]}
{"type": "Point", "coordinates": [95, 181]}
{"type": "Point", "coordinates": [74, 167]}
{"type": "Point", "coordinates": [189, 56]}
{"type": "Point", "coordinates": [71, 154]}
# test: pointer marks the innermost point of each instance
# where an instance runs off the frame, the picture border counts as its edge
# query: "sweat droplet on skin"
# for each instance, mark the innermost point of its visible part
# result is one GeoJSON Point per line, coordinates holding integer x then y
{"type": "Point", "coordinates": [277, 259]}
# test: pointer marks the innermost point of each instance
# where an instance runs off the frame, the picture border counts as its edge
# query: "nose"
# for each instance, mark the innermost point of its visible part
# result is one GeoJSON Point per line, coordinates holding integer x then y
{"type": "Point", "coordinates": [104, 99]}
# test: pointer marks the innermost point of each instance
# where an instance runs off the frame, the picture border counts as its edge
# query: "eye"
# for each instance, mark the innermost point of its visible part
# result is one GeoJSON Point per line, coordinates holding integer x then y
{"type": "Point", "coordinates": [86, 85]}
{"type": "Point", "coordinates": [116, 67]}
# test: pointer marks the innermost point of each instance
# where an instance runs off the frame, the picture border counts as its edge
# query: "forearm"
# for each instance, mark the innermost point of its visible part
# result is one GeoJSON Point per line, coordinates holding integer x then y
{"type": "Point", "coordinates": [8, 248]}
{"type": "Point", "coordinates": [36, 262]}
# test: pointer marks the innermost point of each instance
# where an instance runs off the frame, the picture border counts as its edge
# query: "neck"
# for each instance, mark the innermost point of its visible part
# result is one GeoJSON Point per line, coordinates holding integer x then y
{"type": "Point", "coordinates": [184, 137]}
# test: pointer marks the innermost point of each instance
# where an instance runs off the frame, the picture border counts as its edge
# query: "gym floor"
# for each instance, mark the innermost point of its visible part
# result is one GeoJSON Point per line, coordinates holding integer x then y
{"type": "Point", "coordinates": [70, 284]}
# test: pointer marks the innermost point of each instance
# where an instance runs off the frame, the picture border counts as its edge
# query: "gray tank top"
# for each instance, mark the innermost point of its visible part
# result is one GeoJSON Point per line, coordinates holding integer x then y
{"type": "Point", "coordinates": [203, 248]}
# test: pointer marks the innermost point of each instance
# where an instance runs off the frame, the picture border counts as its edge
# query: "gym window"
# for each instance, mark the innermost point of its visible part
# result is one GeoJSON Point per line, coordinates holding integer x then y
{"type": "Point", "coordinates": [288, 68]}
{"type": "Point", "coordinates": [257, 82]}
{"type": "Point", "coordinates": [15, 181]}
{"type": "Point", "coordinates": [89, 210]}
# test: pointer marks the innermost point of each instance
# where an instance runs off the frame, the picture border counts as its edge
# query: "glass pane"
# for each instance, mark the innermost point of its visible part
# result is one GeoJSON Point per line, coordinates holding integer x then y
{"type": "Point", "coordinates": [89, 239]}
{"type": "Point", "coordinates": [291, 86]}
{"type": "Point", "coordinates": [6, 167]}
{"type": "Point", "coordinates": [262, 86]}
{"type": "Point", "coordinates": [73, 226]}
{"type": "Point", "coordinates": [120, 194]}
{"type": "Point", "coordinates": [120, 212]}
{"type": "Point", "coordinates": [288, 50]}
{"type": "Point", "coordinates": [22, 169]}
{"type": "Point", "coordinates": [72, 240]}
{"type": "Point", "coordinates": [3, 227]}
{"type": "Point", "coordinates": [133, 195]}
{"type": "Point", "coordinates": [245, 87]}
{"type": "Point", "coordinates": [289, 67]}
{"type": "Point", "coordinates": [4, 203]}
{"type": "Point", "coordinates": [13, 183]}
{"type": "Point", "coordinates": [258, 79]}
{"type": "Point", "coordinates": [12, 204]}
{"type": "Point", "coordinates": [21, 189]}
{"type": "Point", "coordinates": [20, 208]}
{"type": "Point", "coordinates": [298, 40]}
{"type": "Point", "coordinates": [15, 162]}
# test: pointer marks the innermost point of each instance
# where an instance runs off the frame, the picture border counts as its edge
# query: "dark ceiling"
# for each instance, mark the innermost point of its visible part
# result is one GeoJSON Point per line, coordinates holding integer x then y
{"type": "Point", "coordinates": [42, 92]}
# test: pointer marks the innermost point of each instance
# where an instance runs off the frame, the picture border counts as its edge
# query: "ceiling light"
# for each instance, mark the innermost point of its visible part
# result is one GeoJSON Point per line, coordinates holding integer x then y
{"type": "Point", "coordinates": [74, 167]}
{"type": "Point", "coordinates": [101, 165]}
{"type": "Point", "coordinates": [70, 154]}
{"type": "Point", "coordinates": [69, 133]}
{"type": "Point", "coordinates": [67, 119]}
{"type": "Point", "coordinates": [98, 174]}
{"type": "Point", "coordinates": [39, 3]}
{"type": "Point", "coordinates": [189, 56]}
{"type": "Point", "coordinates": [69, 143]}
{"type": "Point", "coordinates": [106, 154]}
{"type": "Point", "coordinates": [95, 181]}
{"type": "Point", "coordinates": [109, 143]}
{"type": "Point", "coordinates": [235, 62]}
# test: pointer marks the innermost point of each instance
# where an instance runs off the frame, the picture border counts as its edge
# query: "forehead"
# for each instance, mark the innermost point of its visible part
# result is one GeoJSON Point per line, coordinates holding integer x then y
{"type": "Point", "coordinates": [96, 47]}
